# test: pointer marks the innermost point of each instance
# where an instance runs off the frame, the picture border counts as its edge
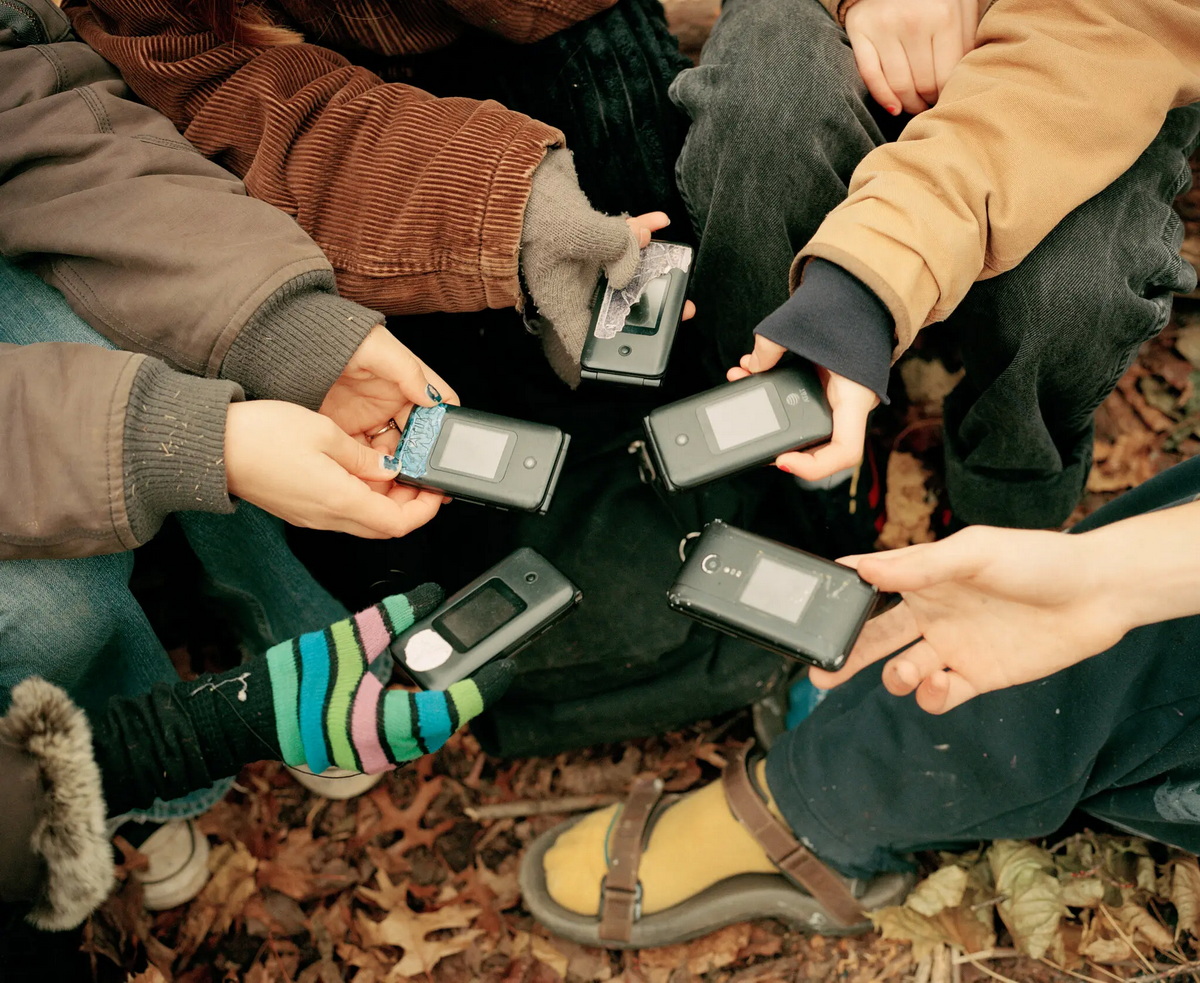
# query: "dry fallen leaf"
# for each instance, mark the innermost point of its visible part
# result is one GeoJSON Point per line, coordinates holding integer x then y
{"type": "Point", "coordinates": [1031, 902]}
{"type": "Point", "coordinates": [1185, 894]}
{"type": "Point", "coordinates": [942, 889]}
{"type": "Point", "coordinates": [408, 930]}
{"type": "Point", "coordinates": [909, 506]}
{"type": "Point", "coordinates": [927, 383]}
{"type": "Point", "coordinates": [222, 899]}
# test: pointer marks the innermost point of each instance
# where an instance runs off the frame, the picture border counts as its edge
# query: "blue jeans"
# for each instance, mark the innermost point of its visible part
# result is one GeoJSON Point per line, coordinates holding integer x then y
{"type": "Point", "coordinates": [75, 623]}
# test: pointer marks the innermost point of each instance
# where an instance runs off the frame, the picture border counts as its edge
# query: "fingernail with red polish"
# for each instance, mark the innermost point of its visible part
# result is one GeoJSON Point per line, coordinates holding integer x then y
{"type": "Point", "coordinates": [894, 110]}
{"type": "Point", "coordinates": [784, 468]}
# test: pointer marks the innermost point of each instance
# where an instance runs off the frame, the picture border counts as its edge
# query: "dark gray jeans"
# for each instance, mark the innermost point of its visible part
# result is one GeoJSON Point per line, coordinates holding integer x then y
{"type": "Point", "coordinates": [780, 119]}
{"type": "Point", "coordinates": [869, 777]}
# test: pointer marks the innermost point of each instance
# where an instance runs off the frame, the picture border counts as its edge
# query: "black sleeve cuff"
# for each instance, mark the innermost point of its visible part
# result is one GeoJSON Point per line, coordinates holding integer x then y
{"type": "Point", "coordinates": [834, 321]}
{"type": "Point", "coordinates": [298, 342]}
{"type": "Point", "coordinates": [174, 451]}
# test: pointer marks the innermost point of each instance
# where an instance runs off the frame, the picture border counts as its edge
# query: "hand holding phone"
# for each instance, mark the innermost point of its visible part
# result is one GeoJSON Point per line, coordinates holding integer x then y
{"type": "Point", "coordinates": [632, 330]}
{"type": "Point", "coordinates": [497, 614]}
{"type": "Point", "coordinates": [482, 457]}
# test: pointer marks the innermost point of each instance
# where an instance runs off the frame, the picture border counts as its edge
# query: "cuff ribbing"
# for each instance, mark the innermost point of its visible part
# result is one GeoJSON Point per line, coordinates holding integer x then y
{"type": "Point", "coordinates": [834, 321]}
{"type": "Point", "coordinates": [174, 451]}
{"type": "Point", "coordinates": [298, 342]}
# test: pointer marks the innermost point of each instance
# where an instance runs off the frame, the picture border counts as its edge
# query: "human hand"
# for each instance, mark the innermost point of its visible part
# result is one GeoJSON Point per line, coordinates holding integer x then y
{"type": "Point", "coordinates": [382, 381]}
{"type": "Point", "coordinates": [849, 402]}
{"type": "Point", "coordinates": [906, 49]}
{"type": "Point", "coordinates": [991, 608]}
{"type": "Point", "coordinates": [389, 724]}
{"type": "Point", "coordinates": [565, 246]}
{"type": "Point", "coordinates": [302, 467]}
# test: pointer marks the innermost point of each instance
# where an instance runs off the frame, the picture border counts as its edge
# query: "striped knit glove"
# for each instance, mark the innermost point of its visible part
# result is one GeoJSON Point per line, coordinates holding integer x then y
{"type": "Point", "coordinates": [316, 700]}
{"type": "Point", "coordinates": [332, 704]}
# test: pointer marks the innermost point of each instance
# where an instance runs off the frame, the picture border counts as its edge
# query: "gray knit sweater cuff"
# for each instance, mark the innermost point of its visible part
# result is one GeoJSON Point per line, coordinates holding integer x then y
{"type": "Point", "coordinates": [174, 454]}
{"type": "Point", "coordinates": [298, 342]}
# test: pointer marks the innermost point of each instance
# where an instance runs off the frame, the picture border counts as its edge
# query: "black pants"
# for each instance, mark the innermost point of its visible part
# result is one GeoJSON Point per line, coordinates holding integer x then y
{"type": "Point", "coordinates": [869, 776]}
{"type": "Point", "coordinates": [781, 119]}
{"type": "Point", "coordinates": [623, 665]}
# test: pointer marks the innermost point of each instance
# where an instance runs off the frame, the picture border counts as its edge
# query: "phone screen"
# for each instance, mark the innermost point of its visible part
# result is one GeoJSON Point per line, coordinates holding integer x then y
{"type": "Point", "coordinates": [739, 419]}
{"type": "Point", "coordinates": [477, 615]}
{"type": "Point", "coordinates": [469, 448]}
{"type": "Point", "coordinates": [644, 315]}
{"type": "Point", "coordinates": [779, 589]}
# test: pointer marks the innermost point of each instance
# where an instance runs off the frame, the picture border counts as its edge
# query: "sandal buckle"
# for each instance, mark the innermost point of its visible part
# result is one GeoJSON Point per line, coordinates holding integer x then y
{"type": "Point", "coordinates": [623, 894]}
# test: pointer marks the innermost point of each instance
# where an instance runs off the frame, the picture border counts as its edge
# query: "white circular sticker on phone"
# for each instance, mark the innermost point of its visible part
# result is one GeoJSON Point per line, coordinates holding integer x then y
{"type": "Point", "coordinates": [426, 650]}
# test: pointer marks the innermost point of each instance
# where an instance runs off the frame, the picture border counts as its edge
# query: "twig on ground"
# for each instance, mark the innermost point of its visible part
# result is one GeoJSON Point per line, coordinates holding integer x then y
{"type": "Point", "coordinates": [539, 807]}
{"type": "Point", "coordinates": [1172, 973]}
{"type": "Point", "coordinates": [994, 975]}
{"type": "Point", "coordinates": [967, 957]}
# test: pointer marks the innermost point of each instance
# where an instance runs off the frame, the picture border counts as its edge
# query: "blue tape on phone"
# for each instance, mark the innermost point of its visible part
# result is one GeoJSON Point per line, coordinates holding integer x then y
{"type": "Point", "coordinates": [420, 434]}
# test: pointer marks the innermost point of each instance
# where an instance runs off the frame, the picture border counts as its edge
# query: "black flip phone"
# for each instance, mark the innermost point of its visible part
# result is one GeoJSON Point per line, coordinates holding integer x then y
{"type": "Point", "coordinates": [776, 596]}
{"type": "Point", "coordinates": [496, 614]}
{"type": "Point", "coordinates": [482, 457]}
{"type": "Point", "coordinates": [632, 329]}
{"type": "Point", "coordinates": [737, 426]}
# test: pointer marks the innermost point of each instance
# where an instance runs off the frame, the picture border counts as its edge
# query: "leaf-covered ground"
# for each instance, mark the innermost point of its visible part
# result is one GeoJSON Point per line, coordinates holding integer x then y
{"type": "Point", "coordinates": [417, 880]}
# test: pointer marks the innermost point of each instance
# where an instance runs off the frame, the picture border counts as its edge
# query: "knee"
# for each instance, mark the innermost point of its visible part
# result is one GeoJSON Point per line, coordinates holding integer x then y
{"type": "Point", "coordinates": [58, 616]}
{"type": "Point", "coordinates": [776, 83]}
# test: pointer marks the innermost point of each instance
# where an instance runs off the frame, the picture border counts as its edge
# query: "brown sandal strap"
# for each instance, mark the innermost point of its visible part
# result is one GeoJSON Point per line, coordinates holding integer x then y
{"type": "Point", "coordinates": [791, 856]}
{"type": "Point", "coordinates": [621, 891]}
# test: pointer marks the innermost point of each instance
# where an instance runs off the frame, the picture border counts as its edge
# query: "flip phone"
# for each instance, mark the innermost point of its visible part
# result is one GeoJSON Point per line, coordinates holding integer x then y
{"type": "Point", "coordinates": [482, 457]}
{"type": "Point", "coordinates": [775, 596]}
{"type": "Point", "coordinates": [736, 426]}
{"type": "Point", "coordinates": [632, 329]}
{"type": "Point", "coordinates": [495, 615]}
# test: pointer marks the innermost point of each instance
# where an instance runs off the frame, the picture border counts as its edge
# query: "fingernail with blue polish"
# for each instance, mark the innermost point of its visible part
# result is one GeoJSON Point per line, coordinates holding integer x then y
{"type": "Point", "coordinates": [432, 393]}
{"type": "Point", "coordinates": [390, 463]}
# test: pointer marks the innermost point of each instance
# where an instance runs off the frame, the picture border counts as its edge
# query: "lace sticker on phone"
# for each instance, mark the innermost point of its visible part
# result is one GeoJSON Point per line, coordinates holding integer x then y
{"type": "Point", "coordinates": [420, 434]}
{"type": "Point", "coordinates": [657, 259]}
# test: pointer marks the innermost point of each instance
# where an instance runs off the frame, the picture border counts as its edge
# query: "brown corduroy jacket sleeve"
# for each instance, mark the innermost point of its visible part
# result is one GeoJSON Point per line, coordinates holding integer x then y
{"type": "Point", "coordinates": [416, 201]}
{"type": "Point", "coordinates": [525, 21]}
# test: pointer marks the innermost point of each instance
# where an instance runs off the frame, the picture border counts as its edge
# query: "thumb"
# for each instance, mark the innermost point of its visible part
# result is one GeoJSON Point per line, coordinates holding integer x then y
{"type": "Point", "coordinates": [622, 263]}
{"type": "Point", "coordinates": [475, 694]}
{"type": "Point", "coordinates": [766, 355]}
{"type": "Point", "coordinates": [362, 460]}
{"type": "Point", "coordinates": [400, 611]}
{"type": "Point", "coordinates": [920, 566]}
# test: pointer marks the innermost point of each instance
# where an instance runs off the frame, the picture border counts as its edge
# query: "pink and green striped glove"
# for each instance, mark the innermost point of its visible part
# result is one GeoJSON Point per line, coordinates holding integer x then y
{"type": "Point", "coordinates": [333, 705]}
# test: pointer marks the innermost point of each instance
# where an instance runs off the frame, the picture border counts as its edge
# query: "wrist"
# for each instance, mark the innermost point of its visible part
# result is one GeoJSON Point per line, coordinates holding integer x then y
{"type": "Point", "coordinates": [1144, 567]}
{"type": "Point", "coordinates": [298, 342]}
{"type": "Point", "coordinates": [833, 320]}
{"type": "Point", "coordinates": [174, 446]}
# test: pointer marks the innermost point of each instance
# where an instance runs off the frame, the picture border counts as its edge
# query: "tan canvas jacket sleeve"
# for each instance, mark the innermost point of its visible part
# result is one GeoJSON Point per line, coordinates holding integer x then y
{"type": "Point", "coordinates": [1058, 100]}
{"type": "Point", "coordinates": [417, 201]}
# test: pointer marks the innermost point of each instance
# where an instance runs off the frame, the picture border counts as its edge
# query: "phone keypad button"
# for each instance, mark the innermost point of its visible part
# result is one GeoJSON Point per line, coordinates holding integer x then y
{"type": "Point", "coordinates": [681, 439]}
{"type": "Point", "coordinates": [529, 463]}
